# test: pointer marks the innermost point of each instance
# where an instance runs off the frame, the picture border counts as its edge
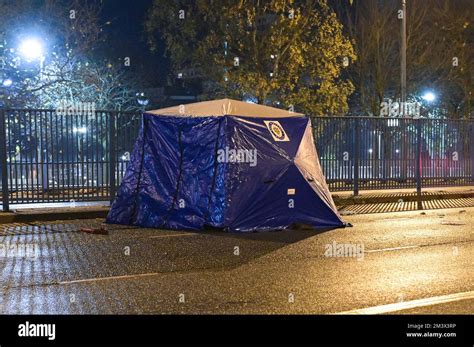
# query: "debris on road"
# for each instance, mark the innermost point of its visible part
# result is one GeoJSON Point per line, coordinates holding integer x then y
{"type": "Point", "coordinates": [96, 231]}
{"type": "Point", "coordinates": [452, 223]}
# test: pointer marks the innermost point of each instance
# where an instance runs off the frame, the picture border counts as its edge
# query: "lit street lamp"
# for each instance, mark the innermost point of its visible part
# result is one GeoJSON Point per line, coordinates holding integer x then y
{"type": "Point", "coordinates": [429, 96]}
{"type": "Point", "coordinates": [7, 82]}
{"type": "Point", "coordinates": [32, 49]}
{"type": "Point", "coordinates": [142, 100]}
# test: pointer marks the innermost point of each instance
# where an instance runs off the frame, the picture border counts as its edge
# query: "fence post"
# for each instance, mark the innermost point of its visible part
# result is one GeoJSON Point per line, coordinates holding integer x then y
{"type": "Point", "coordinates": [356, 155]}
{"type": "Point", "coordinates": [112, 154]}
{"type": "Point", "coordinates": [3, 161]}
{"type": "Point", "coordinates": [418, 164]}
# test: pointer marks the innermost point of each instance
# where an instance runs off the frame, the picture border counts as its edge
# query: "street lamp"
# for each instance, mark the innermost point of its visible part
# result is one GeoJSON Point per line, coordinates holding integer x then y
{"type": "Point", "coordinates": [142, 100]}
{"type": "Point", "coordinates": [7, 82]}
{"type": "Point", "coordinates": [31, 49]}
{"type": "Point", "coordinates": [429, 96]}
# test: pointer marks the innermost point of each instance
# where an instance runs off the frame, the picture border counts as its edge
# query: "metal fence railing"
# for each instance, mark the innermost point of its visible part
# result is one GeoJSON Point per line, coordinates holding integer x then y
{"type": "Point", "coordinates": [383, 153]}
{"type": "Point", "coordinates": [50, 157]}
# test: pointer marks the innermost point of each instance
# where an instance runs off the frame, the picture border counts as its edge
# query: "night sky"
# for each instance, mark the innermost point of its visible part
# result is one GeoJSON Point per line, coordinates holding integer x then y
{"type": "Point", "coordinates": [125, 37]}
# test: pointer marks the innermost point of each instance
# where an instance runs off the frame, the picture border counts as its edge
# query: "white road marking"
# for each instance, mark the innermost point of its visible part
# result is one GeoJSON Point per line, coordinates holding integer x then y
{"type": "Point", "coordinates": [395, 219]}
{"type": "Point", "coordinates": [399, 306]}
{"type": "Point", "coordinates": [172, 235]}
{"type": "Point", "coordinates": [97, 279]}
{"type": "Point", "coordinates": [390, 249]}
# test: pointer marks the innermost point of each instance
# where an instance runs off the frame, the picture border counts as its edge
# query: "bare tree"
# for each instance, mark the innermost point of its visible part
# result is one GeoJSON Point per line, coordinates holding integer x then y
{"type": "Point", "coordinates": [71, 71]}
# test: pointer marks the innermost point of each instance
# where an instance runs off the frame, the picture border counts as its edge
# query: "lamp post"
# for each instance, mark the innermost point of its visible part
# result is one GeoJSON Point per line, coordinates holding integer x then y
{"type": "Point", "coordinates": [429, 97]}
{"type": "Point", "coordinates": [31, 49]}
{"type": "Point", "coordinates": [403, 57]}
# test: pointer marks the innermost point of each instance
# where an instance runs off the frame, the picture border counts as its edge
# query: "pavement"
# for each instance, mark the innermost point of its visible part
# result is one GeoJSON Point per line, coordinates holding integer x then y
{"type": "Point", "coordinates": [54, 211]}
{"type": "Point", "coordinates": [395, 263]}
{"type": "Point", "coordinates": [395, 195]}
{"type": "Point", "coordinates": [369, 201]}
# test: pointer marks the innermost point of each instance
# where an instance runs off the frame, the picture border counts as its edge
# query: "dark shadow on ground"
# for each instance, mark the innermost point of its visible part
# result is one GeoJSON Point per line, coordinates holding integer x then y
{"type": "Point", "coordinates": [66, 254]}
{"type": "Point", "coordinates": [291, 235]}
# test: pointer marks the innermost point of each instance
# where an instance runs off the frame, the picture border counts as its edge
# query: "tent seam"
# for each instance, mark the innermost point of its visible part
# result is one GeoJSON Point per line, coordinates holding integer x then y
{"type": "Point", "coordinates": [137, 193]}
{"type": "Point", "coordinates": [215, 171]}
{"type": "Point", "coordinates": [178, 182]}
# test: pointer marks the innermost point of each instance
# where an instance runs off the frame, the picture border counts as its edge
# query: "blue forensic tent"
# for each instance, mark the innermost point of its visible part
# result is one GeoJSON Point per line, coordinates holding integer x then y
{"type": "Point", "coordinates": [224, 164]}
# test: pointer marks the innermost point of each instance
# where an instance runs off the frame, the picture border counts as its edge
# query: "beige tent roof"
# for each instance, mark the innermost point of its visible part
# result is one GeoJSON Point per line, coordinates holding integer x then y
{"type": "Point", "coordinates": [224, 107]}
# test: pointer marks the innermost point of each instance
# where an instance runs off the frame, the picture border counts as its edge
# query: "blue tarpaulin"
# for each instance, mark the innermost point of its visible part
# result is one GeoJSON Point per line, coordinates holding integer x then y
{"type": "Point", "coordinates": [224, 164]}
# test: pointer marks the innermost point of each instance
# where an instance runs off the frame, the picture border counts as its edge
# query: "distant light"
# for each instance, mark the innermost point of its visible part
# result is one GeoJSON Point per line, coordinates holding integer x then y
{"type": "Point", "coordinates": [396, 151]}
{"type": "Point", "coordinates": [142, 99]}
{"type": "Point", "coordinates": [370, 150]}
{"type": "Point", "coordinates": [429, 96]}
{"type": "Point", "coordinates": [31, 49]}
{"type": "Point", "coordinates": [125, 156]}
{"type": "Point", "coordinates": [7, 83]}
{"type": "Point", "coordinates": [81, 130]}
{"type": "Point", "coordinates": [250, 100]}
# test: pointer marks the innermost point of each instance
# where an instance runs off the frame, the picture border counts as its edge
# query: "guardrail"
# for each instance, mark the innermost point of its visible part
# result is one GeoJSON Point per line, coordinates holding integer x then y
{"type": "Point", "coordinates": [387, 153]}
{"type": "Point", "coordinates": [49, 157]}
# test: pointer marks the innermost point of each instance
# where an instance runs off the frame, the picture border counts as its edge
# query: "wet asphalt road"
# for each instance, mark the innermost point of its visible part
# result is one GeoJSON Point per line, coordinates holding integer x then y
{"type": "Point", "coordinates": [407, 256]}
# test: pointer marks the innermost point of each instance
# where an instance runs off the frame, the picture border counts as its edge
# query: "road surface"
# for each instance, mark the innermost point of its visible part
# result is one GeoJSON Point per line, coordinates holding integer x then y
{"type": "Point", "coordinates": [403, 262]}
